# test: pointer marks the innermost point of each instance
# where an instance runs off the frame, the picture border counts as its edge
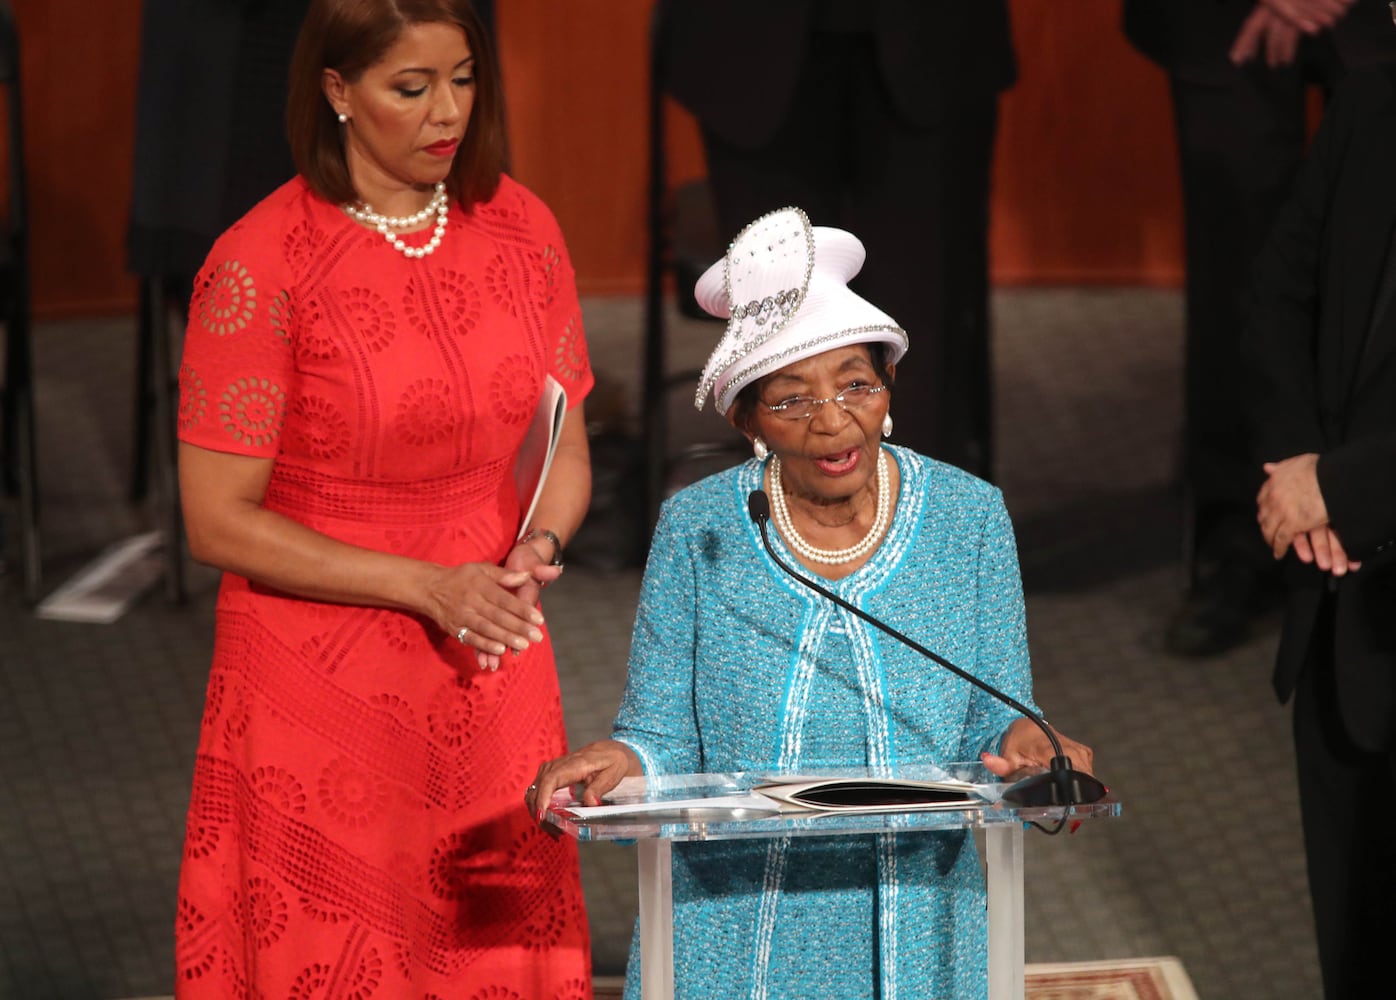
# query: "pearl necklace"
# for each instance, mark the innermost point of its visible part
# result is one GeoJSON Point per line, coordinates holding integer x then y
{"type": "Point", "coordinates": [385, 224]}
{"type": "Point", "coordinates": [833, 557]}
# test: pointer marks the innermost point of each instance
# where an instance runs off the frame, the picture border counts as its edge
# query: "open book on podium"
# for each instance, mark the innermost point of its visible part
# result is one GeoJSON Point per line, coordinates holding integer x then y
{"type": "Point", "coordinates": [787, 794]}
{"type": "Point", "coordinates": [539, 445]}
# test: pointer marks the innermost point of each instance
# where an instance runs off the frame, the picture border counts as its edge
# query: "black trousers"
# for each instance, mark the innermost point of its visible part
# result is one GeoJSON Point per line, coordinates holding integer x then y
{"type": "Point", "coordinates": [918, 199]}
{"type": "Point", "coordinates": [1240, 145]}
{"type": "Point", "coordinates": [1347, 799]}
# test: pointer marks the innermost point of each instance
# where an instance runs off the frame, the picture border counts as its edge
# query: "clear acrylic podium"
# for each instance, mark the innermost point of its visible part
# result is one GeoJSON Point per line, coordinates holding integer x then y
{"type": "Point", "coordinates": [658, 811]}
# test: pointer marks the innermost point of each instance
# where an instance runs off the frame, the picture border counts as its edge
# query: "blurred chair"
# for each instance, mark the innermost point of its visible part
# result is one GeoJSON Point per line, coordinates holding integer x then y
{"type": "Point", "coordinates": [19, 468]}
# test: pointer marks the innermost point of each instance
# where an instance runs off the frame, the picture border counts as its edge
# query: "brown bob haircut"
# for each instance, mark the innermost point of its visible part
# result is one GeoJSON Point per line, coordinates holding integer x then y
{"type": "Point", "coordinates": [349, 36]}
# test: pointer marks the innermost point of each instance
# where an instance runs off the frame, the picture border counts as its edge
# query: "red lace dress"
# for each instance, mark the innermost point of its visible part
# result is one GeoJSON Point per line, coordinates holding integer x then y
{"type": "Point", "coordinates": [356, 828]}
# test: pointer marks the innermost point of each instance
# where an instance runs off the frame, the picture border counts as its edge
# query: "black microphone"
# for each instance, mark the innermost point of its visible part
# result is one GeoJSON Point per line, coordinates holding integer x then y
{"type": "Point", "coordinates": [1058, 786]}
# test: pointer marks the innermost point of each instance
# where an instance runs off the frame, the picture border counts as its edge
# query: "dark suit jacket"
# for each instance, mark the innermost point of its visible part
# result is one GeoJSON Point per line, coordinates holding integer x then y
{"type": "Point", "coordinates": [735, 63]}
{"type": "Point", "coordinates": [1325, 381]}
{"type": "Point", "coordinates": [1191, 38]}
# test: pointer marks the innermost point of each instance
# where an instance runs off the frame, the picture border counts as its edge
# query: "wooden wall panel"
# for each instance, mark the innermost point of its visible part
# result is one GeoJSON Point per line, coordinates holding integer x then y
{"type": "Point", "coordinates": [1085, 186]}
{"type": "Point", "coordinates": [1085, 181]}
{"type": "Point", "coordinates": [79, 59]}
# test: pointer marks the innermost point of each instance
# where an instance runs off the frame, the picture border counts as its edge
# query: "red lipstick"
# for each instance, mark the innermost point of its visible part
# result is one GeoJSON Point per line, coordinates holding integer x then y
{"type": "Point", "coordinates": [446, 147]}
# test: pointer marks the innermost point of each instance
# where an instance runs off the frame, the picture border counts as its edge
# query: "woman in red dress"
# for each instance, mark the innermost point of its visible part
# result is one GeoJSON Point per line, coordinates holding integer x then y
{"type": "Point", "coordinates": [365, 351]}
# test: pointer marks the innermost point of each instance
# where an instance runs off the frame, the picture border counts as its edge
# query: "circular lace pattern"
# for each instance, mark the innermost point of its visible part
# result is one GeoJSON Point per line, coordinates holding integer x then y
{"type": "Point", "coordinates": [402, 633]}
{"type": "Point", "coordinates": [281, 314]}
{"type": "Point", "coordinates": [425, 414]}
{"type": "Point", "coordinates": [371, 317]}
{"type": "Point", "coordinates": [573, 989]}
{"type": "Point", "coordinates": [450, 867]}
{"type": "Point", "coordinates": [496, 992]}
{"type": "Point", "coordinates": [227, 299]}
{"type": "Point", "coordinates": [451, 715]}
{"type": "Point", "coordinates": [188, 920]}
{"type": "Point", "coordinates": [514, 390]}
{"type": "Point", "coordinates": [252, 411]}
{"type": "Point", "coordinates": [213, 700]}
{"type": "Point", "coordinates": [396, 706]}
{"type": "Point", "coordinates": [280, 788]}
{"type": "Point", "coordinates": [351, 795]}
{"type": "Point", "coordinates": [239, 718]}
{"type": "Point", "coordinates": [302, 244]}
{"type": "Point", "coordinates": [193, 398]}
{"type": "Point", "coordinates": [448, 295]}
{"type": "Point", "coordinates": [319, 429]}
{"type": "Point", "coordinates": [262, 911]}
{"type": "Point", "coordinates": [367, 976]}
{"type": "Point", "coordinates": [309, 983]}
{"type": "Point", "coordinates": [550, 267]}
{"type": "Point", "coordinates": [320, 913]}
{"type": "Point", "coordinates": [315, 338]}
{"type": "Point", "coordinates": [200, 840]}
{"type": "Point", "coordinates": [498, 284]}
{"type": "Point", "coordinates": [550, 921]}
{"type": "Point", "coordinates": [570, 356]}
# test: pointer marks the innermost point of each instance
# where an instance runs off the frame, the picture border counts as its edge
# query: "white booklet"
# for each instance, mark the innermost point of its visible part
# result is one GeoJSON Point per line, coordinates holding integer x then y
{"type": "Point", "coordinates": [539, 444]}
{"type": "Point", "coordinates": [794, 794]}
{"type": "Point", "coordinates": [868, 795]}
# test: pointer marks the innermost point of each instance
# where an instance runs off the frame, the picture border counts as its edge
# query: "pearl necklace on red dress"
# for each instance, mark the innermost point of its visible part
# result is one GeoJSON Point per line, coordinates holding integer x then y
{"type": "Point", "coordinates": [439, 205]}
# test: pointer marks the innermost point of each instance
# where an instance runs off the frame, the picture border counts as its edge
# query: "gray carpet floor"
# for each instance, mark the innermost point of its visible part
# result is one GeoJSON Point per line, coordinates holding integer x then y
{"type": "Point", "coordinates": [98, 723]}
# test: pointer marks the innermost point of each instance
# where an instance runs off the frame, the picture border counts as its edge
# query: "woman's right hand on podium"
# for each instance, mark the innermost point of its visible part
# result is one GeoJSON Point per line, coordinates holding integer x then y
{"type": "Point", "coordinates": [593, 771]}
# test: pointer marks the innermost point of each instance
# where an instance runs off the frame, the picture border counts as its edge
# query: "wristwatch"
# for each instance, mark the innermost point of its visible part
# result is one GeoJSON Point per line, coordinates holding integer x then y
{"type": "Point", "coordinates": [545, 533]}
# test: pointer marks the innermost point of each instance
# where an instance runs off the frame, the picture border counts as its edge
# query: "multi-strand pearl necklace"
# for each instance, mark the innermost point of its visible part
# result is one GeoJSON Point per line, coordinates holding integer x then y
{"type": "Point", "coordinates": [833, 557]}
{"type": "Point", "coordinates": [439, 205]}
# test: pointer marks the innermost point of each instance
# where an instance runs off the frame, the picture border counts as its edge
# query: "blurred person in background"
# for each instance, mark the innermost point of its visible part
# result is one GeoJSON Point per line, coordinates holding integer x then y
{"type": "Point", "coordinates": [879, 118]}
{"type": "Point", "coordinates": [1320, 352]}
{"type": "Point", "coordinates": [1239, 72]}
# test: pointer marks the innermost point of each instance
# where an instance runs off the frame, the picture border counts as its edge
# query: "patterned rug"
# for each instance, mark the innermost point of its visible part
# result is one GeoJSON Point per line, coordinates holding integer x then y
{"type": "Point", "coordinates": [1125, 979]}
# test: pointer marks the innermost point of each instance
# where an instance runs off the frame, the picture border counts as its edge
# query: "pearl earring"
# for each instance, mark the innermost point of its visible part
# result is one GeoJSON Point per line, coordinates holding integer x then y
{"type": "Point", "coordinates": [343, 118]}
{"type": "Point", "coordinates": [887, 426]}
{"type": "Point", "coordinates": [759, 448]}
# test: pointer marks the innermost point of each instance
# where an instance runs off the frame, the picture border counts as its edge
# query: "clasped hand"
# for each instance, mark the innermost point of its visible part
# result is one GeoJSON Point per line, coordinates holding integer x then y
{"type": "Point", "coordinates": [493, 608]}
{"type": "Point", "coordinates": [1275, 27]}
{"type": "Point", "coordinates": [1291, 511]}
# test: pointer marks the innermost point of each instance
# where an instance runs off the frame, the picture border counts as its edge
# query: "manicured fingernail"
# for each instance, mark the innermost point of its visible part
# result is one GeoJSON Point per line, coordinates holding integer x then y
{"type": "Point", "coordinates": [535, 635]}
{"type": "Point", "coordinates": [520, 644]}
{"type": "Point", "coordinates": [535, 617]}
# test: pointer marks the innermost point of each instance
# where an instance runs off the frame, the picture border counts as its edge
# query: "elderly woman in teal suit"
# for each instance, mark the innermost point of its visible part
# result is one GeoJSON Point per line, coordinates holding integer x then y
{"type": "Point", "coordinates": [736, 667]}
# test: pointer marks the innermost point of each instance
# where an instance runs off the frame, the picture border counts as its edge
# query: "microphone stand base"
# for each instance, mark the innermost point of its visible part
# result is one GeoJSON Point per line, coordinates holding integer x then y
{"type": "Point", "coordinates": [1055, 788]}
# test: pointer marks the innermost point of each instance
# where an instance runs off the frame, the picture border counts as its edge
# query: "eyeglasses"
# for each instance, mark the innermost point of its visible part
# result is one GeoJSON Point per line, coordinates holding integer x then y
{"type": "Point", "coordinates": [855, 397]}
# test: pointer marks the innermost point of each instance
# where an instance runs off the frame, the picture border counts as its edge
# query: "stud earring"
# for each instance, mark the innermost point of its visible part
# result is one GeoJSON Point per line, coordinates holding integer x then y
{"type": "Point", "coordinates": [759, 448]}
{"type": "Point", "coordinates": [343, 118]}
{"type": "Point", "coordinates": [887, 426]}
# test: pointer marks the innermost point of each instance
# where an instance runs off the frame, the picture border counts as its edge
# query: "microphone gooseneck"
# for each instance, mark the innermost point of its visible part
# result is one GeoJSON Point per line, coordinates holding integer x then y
{"type": "Point", "coordinates": [1061, 785]}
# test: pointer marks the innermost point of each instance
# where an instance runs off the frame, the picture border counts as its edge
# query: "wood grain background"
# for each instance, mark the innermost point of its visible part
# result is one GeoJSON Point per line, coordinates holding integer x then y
{"type": "Point", "coordinates": [1085, 179]}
